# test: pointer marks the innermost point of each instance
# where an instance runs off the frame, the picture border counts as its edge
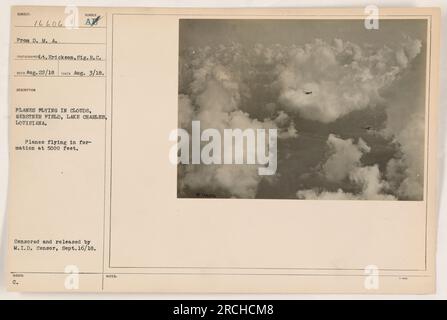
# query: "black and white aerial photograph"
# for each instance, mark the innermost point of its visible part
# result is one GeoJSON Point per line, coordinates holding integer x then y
{"type": "Point", "coordinates": [348, 105]}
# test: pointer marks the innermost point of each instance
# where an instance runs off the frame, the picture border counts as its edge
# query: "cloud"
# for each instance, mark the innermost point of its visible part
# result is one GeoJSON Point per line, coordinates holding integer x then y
{"type": "Point", "coordinates": [406, 171]}
{"type": "Point", "coordinates": [369, 178]}
{"type": "Point", "coordinates": [215, 100]}
{"type": "Point", "coordinates": [239, 181]}
{"type": "Point", "coordinates": [405, 125]}
{"type": "Point", "coordinates": [286, 126]}
{"type": "Point", "coordinates": [344, 163]}
{"type": "Point", "coordinates": [321, 81]}
{"type": "Point", "coordinates": [314, 194]}
{"type": "Point", "coordinates": [345, 157]}
{"type": "Point", "coordinates": [324, 81]}
{"type": "Point", "coordinates": [409, 50]}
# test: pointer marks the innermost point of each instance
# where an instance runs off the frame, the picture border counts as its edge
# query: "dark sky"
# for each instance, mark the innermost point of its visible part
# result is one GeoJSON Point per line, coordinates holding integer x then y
{"type": "Point", "coordinates": [205, 32]}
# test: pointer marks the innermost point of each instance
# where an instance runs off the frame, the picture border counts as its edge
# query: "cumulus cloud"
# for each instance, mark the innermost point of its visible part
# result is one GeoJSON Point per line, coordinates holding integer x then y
{"type": "Point", "coordinates": [344, 164]}
{"type": "Point", "coordinates": [345, 157]}
{"type": "Point", "coordinates": [286, 126]}
{"type": "Point", "coordinates": [320, 81]}
{"type": "Point", "coordinates": [409, 50]}
{"type": "Point", "coordinates": [324, 81]}
{"type": "Point", "coordinates": [315, 194]}
{"type": "Point", "coordinates": [405, 125]}
{"type": "Point", "coordinates": [239, 181]}
{"type": "Point", "coordinates": [214, 99]}
{"type": "Point", "coordinates": [406, 171]}
{"type": "Point", "coordinates": [369, 178]}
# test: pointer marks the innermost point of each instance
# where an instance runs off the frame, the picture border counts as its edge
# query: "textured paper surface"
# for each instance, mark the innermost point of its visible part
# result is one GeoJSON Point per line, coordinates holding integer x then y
{"type": "Point", "coordinates": [102, 212]}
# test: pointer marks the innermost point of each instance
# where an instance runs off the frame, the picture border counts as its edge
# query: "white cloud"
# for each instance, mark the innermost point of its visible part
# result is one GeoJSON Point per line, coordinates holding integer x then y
{"type": "Point", "coordinates": [344, 163]}
{"type": "Point", "coordinates": [406, 171]}
{"type": "Point", "coordinates": [321, 81]}
{"type": "Point", "coordinates": [405, 124]}
{"type": "Point", "coordinates": [345, 157]}
{"type": "Point", "coordinates": [313, 194]}
{"type": "Point", "coordinates": [325, 81]}
{"type": "Point", "coordinates": [216, 93]}
{"type": "Point", "coordinates": [286, 125]}
{"type": "Point", "coordinates": [369, 178]}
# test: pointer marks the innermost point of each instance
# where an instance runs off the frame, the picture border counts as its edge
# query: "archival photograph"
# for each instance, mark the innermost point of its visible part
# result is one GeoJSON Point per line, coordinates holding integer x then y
{"type": "Point", "coordinates": [302, 109]}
